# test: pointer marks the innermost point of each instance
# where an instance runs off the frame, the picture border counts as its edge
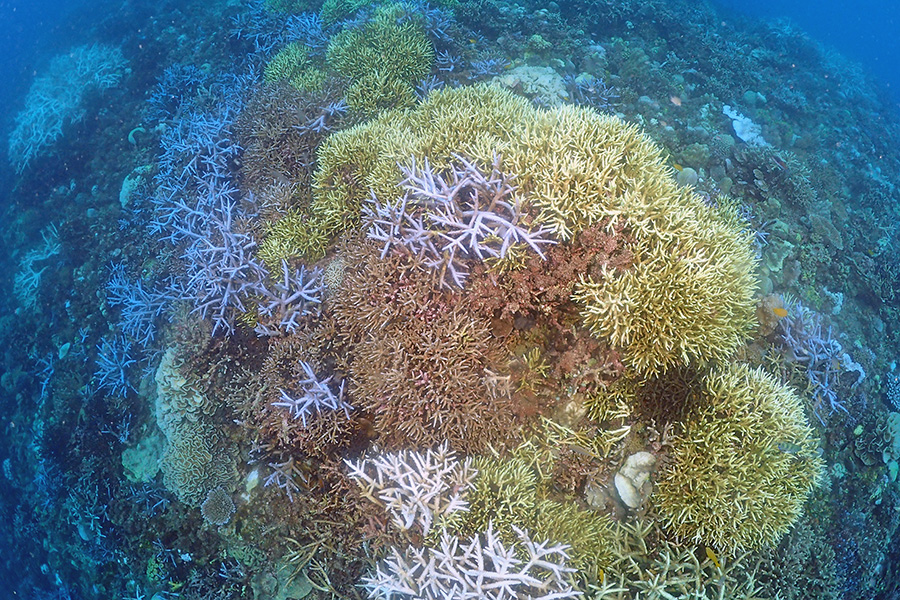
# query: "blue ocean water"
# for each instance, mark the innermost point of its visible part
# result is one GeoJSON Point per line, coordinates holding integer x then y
{"type": "Point", "coordinates": [867, 31]}
{"type": "Point", "coordinates": [30, 30]}
{"type": "Point", "coordinates": [350, 299]}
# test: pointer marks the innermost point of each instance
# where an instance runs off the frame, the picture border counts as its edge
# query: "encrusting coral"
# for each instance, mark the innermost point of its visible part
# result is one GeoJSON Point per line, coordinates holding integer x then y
{"type": "Point", "coordinates": [193, 460]}
{"type": "Point", "coordinates": [743, 466]}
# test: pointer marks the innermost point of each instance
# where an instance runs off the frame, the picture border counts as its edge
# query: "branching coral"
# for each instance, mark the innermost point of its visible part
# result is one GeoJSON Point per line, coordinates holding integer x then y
{"type": "Point", "coordinates": [801, 566]}
{"type": "Point", "coordinates": [282, 305]}
{"type": "Point", "coordinates": [448, 222]}
{"type": "Point", "coordinates": [650, 567]}
{"type": "Point", "coordinates": [688, 296]}
{"type": "Point", "coordinates": [663, 399]}
{"type": "Point", "coordinates": [28, 277]}
{"type": "Point", "coordinates": [741, 470]}
{"type": "Point", "coordinates": [113, 364]}
{"type": "Point", "coordinates": [803, 339]}
{"type": "Point", "coordinates": [362, 161]}
{"type": "Point", "coordinates": [317, 397]}
{"type": "Point", "coordinates": [512, 492]}
{"type": "Point", "coordinates": [383, 59]}
{"type": "Point", "coordinates": [280, 130]}
{"type": "Point", "coordinates": [418, 361]}
{"type": "Point", "coordinates": [416, 488]}
{"type": "Point", "coordinates": [140, 307]}
{"type": "Point", "coordinates": [293, 65]}
{"type": "Point", "coordinates": [482, 567]}
{"type": "Point", "coordinates": [299, 409]}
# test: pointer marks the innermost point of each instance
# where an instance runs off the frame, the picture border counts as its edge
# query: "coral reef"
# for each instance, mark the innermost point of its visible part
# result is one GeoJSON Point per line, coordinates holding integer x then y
{"type": "Point", "coordinates": [741, 470]}
{"type": "Point", "coordinates": [569, 170]}
{"type": "Point", "coordinates": [346, 299]}
{"type": "Point", "coordinates": [56, 98]}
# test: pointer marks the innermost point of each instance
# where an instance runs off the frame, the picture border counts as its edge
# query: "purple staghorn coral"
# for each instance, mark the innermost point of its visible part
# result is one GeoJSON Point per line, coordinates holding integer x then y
{"type": "Point", "coordinates": [113, 361]}
{"type": "Point", "coordinates": [308, 29]}
{"type": "Point", "coordinates": [416, 488]}
{"type": "Point", "coordinates": [324, 121]}
{"type": "Point", "coordinates": [804, 340]}
{"type": "Point", "coordinates": [260, 28]}
{"type": "Point", "coordinates": [177, 87]}
{"type": "Point", "coordinates": [222, 271]}
{"type": "Point", "coordinates": [284, 476]}
{"type": "Point", "coordinates": [428, 85]}
{"type": "Point", "coordinates": [316, 397]}
{"type": "Point", "coordinates": [448, 62]}
{"type": "Point", "coordinates": [139, 307]}
{"type": "Point", "coordinates": [297, 294]}
{"type": "Point", "coordinates": [448, 222]}
{"type": "Point", "coordinates": [199, 210]}
{"type": "Point", "coordinates": [487, 67]}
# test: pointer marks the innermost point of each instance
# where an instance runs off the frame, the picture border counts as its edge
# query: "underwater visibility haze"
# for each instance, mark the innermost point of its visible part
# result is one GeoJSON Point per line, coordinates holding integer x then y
{"type": "Point", "coordinates": [446, 299]}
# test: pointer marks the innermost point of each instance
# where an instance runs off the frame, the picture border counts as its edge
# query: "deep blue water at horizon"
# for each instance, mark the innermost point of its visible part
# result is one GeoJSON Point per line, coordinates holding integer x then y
{"type": "Point", "coordinates": [26, 29]}
{"type": "Point", "coordinates": [866, 31]}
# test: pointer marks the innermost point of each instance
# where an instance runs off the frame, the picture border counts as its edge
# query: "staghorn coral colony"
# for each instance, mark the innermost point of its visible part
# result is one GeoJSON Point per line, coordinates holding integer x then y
{"type": "Point", "coordinates": [452, 300]}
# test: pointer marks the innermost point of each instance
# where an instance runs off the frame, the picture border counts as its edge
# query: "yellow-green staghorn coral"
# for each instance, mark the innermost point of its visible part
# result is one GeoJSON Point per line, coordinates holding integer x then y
{"type": "Point", "coordinates": [743, 466]}
{"type": "Point", "coordinates": [687, 299]}
{"type": "Point", "coordinates": [292, 64]}
{"type": "Point", "coordinates": [383, 60]}
{"type": "Point", "coordinates": [510, 492]}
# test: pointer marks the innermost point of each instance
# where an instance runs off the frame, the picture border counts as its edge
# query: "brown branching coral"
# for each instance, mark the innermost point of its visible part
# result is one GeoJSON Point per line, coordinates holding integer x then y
{"type": "Point", "coordinates": [543, 288]}
{"type": "Point", "coordinates": [322, 433]}
{"type": "Point", "coordinates": [422, 365]}
{"type": "Point", "coordinates": [280, 130]}
{"type": "Point", "coordinates": [321, 534]}
{"type": "Point", "coordinates": [767, 173]}
{"type": "Point", "coordinates": [532, 307]}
